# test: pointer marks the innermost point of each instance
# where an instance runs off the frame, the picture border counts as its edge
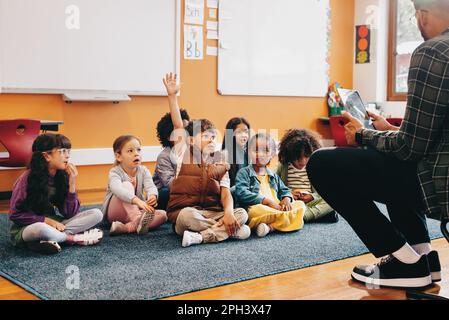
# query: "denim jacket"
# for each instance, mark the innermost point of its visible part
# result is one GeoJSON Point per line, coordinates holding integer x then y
{"type": "Point", "coordinates": [247, 187]}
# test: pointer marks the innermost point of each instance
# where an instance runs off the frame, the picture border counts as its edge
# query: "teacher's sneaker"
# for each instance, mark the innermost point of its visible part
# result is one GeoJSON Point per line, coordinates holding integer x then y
{"type": "Point", "coordinates": [190, 238]}
{"type": "Point", "coordinates": [144, 223]}
{"type": "Point", "coordinates": [390, 272]}
{"type": "Point", "coordinates": [434, 266]}
{"type": "Point", "coordinates": [45, 247]}
{"type": "Point", "coordinates": [242, 233]}
{"type": "Point", "coordinates": [88, 238]}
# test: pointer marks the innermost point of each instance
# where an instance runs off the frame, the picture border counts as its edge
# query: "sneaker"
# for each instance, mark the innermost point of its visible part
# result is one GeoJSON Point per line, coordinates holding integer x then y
{"type": "Point", "coordinates": [242, 233]}
{"type": "Point", "coordinates": [116, 228]}
{"type": "Point", "coordinates": [390, 272]}
{"type": "Point", "coordinates": [262, 230]}
{"type": "Point", "coordinates": [191, 238]}
{"type": "Point", "coordinates": [44, 247]}
{"type": "Point", "coordinates": [144, 224]}
{"type": "Point", "coordinates": [434, 266]}
{"type": "Point", "coordinates": [331, 217]}
{"type": "Point", "coordinates": [88, 238]}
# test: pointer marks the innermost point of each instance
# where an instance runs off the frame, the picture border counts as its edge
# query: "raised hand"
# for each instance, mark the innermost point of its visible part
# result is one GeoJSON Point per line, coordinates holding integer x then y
{"type": "Point", "coordinates": [171, 85]}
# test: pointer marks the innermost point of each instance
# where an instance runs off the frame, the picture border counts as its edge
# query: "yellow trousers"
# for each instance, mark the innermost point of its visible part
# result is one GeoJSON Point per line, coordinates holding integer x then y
{"type": "Point", "coordinates": [284, 221]}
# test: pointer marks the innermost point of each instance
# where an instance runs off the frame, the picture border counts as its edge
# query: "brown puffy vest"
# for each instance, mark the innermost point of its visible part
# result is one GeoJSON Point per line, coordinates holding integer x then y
{"type": "Point", "coordinates": [197, 185]}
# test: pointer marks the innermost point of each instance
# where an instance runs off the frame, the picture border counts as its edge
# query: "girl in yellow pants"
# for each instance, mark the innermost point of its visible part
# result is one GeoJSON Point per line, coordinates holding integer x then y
{"type": "Point", "coordinates": [259, 189]}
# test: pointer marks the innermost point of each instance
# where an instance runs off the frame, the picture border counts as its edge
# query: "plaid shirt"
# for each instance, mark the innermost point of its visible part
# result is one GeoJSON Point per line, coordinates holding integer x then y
{"type": "Point", "coordinates": [424, 133]}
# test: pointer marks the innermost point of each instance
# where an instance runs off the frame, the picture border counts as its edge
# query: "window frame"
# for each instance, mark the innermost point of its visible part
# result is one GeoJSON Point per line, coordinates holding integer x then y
{"type": "Point", "coordinates": [392, 95]}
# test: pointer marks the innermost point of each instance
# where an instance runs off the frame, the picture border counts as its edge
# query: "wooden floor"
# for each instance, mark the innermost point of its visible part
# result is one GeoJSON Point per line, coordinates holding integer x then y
{"type": "Point", "coordinates": [329, 281]}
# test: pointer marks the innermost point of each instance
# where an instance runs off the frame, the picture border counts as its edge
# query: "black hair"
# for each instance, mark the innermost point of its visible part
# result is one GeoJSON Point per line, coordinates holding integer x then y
{"type": "Point", "coordinates": [205, 126]}
{"type": "Point", "coordinates": [263, 136]}
{"type": "Point", "coordinates": [165, 127]}
{"type": "Point", "coordinates": [37, 199]}
{"type": "Point", "coordinates": [296, 143]}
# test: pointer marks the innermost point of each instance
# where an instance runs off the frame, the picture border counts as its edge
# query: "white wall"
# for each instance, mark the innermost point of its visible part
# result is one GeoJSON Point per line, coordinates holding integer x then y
{"type": "Point", "coordinates": [371, 79]}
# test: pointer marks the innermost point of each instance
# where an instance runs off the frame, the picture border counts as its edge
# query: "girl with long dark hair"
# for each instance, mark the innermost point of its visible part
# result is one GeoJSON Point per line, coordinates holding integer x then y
{"type": "Point", "coordinates": [44, 207]}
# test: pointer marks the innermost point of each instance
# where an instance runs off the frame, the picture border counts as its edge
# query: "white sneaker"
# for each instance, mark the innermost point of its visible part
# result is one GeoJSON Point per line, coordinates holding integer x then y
{"type": "Point", "coordinates": [242, 233]}
{"type": "Point", "coordinates": [262, 230]}
{"type": "Point", "coordinates": [88, 238]}
{"type": "Point", "coordinates": [144, 222]}
{"type": "Point", "coordinates": [191, 238]}
{"type": "Point", "coordinates": [116, 228]}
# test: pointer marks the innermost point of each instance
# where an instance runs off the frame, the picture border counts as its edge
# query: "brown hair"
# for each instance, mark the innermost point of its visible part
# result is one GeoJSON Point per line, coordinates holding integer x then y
{"type": "Point", "coordinates": [118, 144]}
{"type": "Point", "coordinates": [205, 126]}
{"type": "Point", "coordinates": [298, 142]}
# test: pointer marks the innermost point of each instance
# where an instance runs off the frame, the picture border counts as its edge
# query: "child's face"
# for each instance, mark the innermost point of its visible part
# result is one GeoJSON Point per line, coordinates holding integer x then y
{"type": "Point", "coordinates": [261, 153]}
{"type": "Point", "coordinates": [241, 133]}
{"type": "Point", "coordinates": [206, 141]}
{"type": "Point", "coordinates": [130, 155]}
{"type": "Point", "coordinates": [301, 162]}
{"type": "Point", "coordinates": [58, 158]}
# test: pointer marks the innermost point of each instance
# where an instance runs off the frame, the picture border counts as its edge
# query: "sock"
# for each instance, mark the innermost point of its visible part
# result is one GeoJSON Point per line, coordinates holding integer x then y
{"type": "Point", "coordinates": [422, 248]}
{"type": "Point", "coordinates": [407, 255]}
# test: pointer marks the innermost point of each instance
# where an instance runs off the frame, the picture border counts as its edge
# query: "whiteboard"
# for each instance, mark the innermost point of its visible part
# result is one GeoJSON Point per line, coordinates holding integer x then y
{"type": "Point", "coordinates": [273, 47]}
{"type": "Point", "coordinates": [60, 46]}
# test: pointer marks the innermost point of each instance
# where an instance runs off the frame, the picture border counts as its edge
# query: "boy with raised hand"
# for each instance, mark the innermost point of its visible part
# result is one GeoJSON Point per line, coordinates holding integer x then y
{"type": "Point", "coordinates": [200, 204]}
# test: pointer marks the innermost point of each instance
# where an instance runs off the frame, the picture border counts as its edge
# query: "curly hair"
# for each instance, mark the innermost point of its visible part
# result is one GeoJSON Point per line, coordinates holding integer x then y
{"type": "Point", "coordinates": [37, 199]}
{"type": "Point", "coordinates": [165, 127]}
{"type": "Point", "coordinates": [296, 143]}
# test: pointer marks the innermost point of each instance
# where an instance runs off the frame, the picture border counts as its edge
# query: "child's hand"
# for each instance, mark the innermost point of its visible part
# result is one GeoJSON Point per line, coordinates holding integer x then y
{"type": "Point", "coordinates": [55, 224]}
{"type": "Point", "coordinates": [297, 194]}
{"type": "Point", "coordinates": [142, 205]}
{"type": "Point", "coordinates": [152, 201]}
{"type": "Point", "coordinates": [231, 224]}
{"type": "Point", "coordinates": [306, 198]}
{"type": "Point", "coordinates": [271, 204]}
{"type": "Point", "coordinates": [171, 84]}
{"type": "Point", "coordinates": [72, 173]}
{"type": "Point", "coordinates": [286, 204]}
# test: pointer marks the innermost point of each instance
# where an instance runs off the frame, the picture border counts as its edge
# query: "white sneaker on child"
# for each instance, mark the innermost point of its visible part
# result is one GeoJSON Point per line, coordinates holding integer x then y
{"type": "Point", "coordinates": [242, 233]}
{"type": "Point", "coordinates": [88, 238]}
{"type": "Point", "coordinates": [262, 230]}
{"type": "Point", "coordinates": [190, 238]}
{"type": "Point", "coordinates": [144, 222]}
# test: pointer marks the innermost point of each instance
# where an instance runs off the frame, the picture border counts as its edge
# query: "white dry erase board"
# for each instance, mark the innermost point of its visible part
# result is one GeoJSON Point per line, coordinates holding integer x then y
{"type": "Point", "coordinates": [273, 48]}
{"type": "Point", "coordinates": [60, 46]}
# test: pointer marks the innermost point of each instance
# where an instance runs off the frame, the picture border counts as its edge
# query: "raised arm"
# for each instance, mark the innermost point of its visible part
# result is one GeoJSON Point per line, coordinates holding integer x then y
{"type": "Point", "coordinates": [170, 82]}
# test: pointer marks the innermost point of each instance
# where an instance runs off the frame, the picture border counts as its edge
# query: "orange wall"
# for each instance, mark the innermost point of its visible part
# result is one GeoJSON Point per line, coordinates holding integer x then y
{"type": "Point", "coordinates": [95, 125]}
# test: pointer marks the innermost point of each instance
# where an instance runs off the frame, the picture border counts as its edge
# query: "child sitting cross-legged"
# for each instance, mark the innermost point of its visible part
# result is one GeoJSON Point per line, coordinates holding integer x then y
{"type": "Point", "coordinates": [270, 203]}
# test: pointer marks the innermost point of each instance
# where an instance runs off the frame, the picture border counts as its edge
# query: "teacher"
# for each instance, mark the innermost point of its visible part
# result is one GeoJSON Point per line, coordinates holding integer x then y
{"type": "Point", "coordinates": [406, 168]}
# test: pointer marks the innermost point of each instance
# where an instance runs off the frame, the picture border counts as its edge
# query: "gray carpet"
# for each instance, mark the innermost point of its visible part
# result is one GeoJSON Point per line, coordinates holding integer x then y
{"type": "Point", "coordinates": [156, 266]}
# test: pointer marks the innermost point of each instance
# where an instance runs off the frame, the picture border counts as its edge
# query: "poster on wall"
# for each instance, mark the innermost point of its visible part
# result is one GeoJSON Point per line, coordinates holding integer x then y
{"type": "Point", "coordinates": [193, 42]}
{"type": "Point", "coordinates": [363, 44]}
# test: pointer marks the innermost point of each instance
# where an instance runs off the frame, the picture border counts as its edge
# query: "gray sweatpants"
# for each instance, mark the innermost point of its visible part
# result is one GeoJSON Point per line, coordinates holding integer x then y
{"type": "Point", "coordinates": [208, 223]}
{"type": "Point", "coordinates": [83, 221]}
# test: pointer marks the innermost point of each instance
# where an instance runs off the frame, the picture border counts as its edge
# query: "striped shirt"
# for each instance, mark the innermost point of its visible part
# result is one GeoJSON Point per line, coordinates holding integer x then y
{"type": "Point", "coordinates": [298, 179]}
{"type": "Point", "coordinates": [424, 133]}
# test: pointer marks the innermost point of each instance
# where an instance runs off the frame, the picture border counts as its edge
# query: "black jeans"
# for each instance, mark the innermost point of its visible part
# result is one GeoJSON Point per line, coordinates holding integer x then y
{"type": "Point", "coordinates": [350, 180]}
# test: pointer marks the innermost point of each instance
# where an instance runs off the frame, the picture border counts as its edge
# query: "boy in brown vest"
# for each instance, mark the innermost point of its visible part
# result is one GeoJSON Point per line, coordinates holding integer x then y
{"type": "Point", "coordinates": [201, 204]}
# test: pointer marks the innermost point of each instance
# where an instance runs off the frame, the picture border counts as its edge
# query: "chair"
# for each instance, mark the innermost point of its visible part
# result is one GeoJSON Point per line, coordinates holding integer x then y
{"type": "Point", "coordinates": [17, 137]}
{"type": "Point", "coordinates": [337, 124]}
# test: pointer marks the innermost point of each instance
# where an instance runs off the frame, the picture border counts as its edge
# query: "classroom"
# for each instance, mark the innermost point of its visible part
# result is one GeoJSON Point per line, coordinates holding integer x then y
{"type": "Point", "coordinates": [318, 132]}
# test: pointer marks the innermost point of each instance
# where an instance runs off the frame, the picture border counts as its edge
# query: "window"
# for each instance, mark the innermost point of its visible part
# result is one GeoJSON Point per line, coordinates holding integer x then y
{"type": "Point", "coordinates": [404, 39]}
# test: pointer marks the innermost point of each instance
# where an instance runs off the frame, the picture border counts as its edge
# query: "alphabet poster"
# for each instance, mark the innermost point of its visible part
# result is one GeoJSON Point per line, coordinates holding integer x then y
{"type": "Point", "coordinates": [194, 12]}
{"type": "Point", "coordinates": [193, 42]}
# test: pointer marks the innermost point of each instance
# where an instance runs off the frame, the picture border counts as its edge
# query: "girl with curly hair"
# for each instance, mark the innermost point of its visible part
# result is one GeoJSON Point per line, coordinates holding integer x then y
{"type": "Point", "coordinates": [295, 149]}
